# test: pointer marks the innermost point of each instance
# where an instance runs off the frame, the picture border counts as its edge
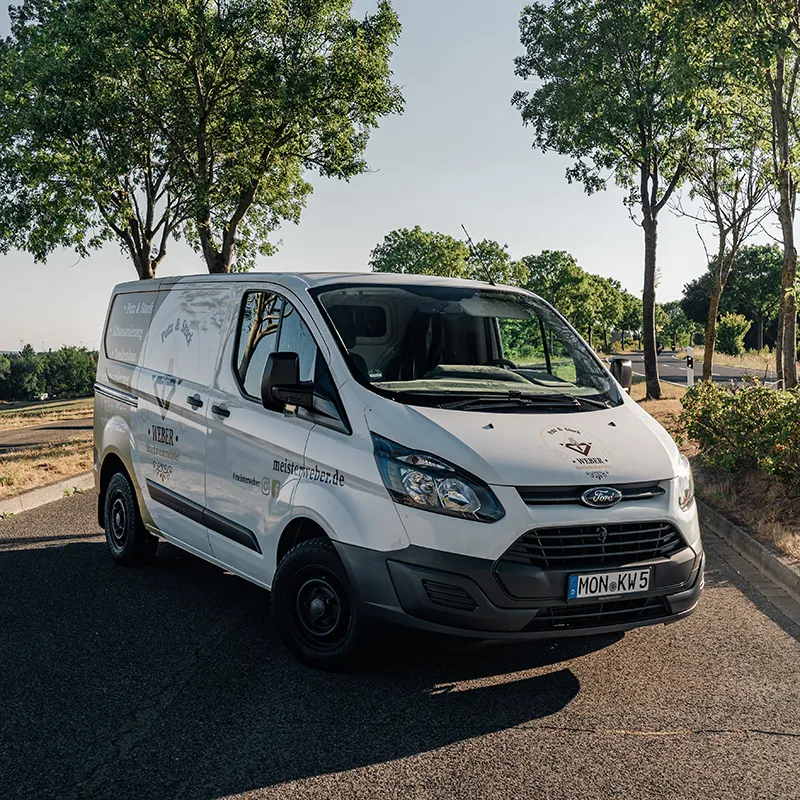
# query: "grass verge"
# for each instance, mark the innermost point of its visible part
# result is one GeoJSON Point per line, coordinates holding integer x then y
{"type": "Point", "coordinates": [763, 503]}
{"type": "Point", "coordinates": [21, 470]}
{"type": "Point", "coordinates": [23, 415]}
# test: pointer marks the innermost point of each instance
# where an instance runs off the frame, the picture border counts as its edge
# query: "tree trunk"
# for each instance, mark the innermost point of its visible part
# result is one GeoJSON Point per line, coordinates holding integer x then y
{"type": "Point", "coordinates": [650, 227]}
{"type": "Point", "coordinates": [711, 329]}
{"type": "Point", "coordinates": [781, 108]}
{"type": "Point", "coordinates": [760, 334]}
{"type": "Point", "coordinates": [779, 349]}
{"type": "Point", "coordinates": [788, 282]}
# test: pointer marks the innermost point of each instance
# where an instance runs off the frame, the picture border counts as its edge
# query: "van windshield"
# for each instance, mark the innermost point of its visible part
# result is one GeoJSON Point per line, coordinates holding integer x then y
{"type": "Point", "coordinates": [467, 348]}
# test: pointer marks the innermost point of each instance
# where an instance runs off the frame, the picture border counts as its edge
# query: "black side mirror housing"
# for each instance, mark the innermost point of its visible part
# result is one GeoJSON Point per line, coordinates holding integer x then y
{"type": "Point", "coordinates": [622, 370]}
{"type": "Point", "coordinates": [281, 384]}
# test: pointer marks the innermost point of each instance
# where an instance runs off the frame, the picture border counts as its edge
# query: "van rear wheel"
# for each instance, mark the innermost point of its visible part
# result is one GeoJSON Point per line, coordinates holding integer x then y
{"type": "Point", "coordinates": [129, 542]}
{"type": "Point", "coordinates": [314, 609]}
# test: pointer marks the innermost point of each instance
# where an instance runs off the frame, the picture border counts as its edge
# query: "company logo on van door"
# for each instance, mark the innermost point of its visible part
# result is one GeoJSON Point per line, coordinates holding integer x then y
{"type": "Point", "coordinates": [584, 450]}
{"type": "Point", "coordinates": [601, 497]}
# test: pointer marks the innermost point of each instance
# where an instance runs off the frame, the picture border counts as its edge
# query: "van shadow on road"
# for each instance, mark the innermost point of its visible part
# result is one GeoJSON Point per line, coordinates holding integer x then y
{"type": "Point", "coordinates": [170, 680]}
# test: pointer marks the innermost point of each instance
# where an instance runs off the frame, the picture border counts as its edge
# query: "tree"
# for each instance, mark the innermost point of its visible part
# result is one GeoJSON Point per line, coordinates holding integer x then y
{"type": "Point", "coordinates": [68, 372]}
{"type": "Point", "coordinates": [677, 326]}
{"type": "Point", "coordinates": [5, 367]}
{"type": "Point", "coordinates": [492, 259]}
{"type": "Point", "coordinates": [78, 165]}
{"type": "Point", "coordinates": [732, 330]}
{"type": "Point", "coordinates": [556, 277]}
{"type": "Point", "coordinates": [759, 44]}
{"type": "Point", "coordinates": [599, 307]}
{"type": "Point", "coordinates": [185, 117]}
{"type": "Point", "coordinates": [621, 93]}
{"type": "Point", "coordinates": [24, 379]}
{"type": "Point", "coordinates": [757, 288]}
{"type": "Point", "coordinates": [631, 318]}
{"type": "Point", "coordinates": [727, 181]}
{"type": "Point", "coordinates": [418, 252]}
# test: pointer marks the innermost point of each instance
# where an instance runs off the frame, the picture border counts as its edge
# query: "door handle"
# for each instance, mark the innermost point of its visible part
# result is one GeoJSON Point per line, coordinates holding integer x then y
{"type": "Point", "coordinates": [221, 411]}
{"type": "Point", "coordinates": [194, 401]}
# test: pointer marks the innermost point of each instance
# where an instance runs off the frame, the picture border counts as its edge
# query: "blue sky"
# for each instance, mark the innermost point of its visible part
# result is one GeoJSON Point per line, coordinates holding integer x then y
{"type": "Point", "coordinates": [459, 154]}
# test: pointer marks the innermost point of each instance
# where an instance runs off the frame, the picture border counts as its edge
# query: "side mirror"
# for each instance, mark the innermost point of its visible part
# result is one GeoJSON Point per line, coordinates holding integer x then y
{"type": "Point", "coordinates": [281, 385]}
{"type": "Point", "coordinates": [622, 370]}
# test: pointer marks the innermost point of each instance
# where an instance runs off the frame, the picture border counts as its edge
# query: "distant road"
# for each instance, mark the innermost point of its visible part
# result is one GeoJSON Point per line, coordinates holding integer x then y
{"type": "Point", "coordinates": [48, 433]}
{"type": "Point", "coordinates": [672, 368]}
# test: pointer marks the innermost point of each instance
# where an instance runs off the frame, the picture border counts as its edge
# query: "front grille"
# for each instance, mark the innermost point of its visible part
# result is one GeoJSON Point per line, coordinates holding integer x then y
{"type": "Point", "coordinates": [598, 615]}
{"type": "Point", "coordinates": [592, 546]}
{"type": "Point", "coordinates": [560, 495]}
{"type": "Point", "coordinates": [445, 594]}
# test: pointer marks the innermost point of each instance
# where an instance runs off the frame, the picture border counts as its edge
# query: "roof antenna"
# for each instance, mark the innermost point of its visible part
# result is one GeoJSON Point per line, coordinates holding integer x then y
{"type": "Point", "coordinates": [478, 256]}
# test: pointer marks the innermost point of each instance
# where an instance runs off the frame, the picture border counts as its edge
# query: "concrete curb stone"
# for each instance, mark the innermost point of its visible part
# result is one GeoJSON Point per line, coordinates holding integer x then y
{"type": "Point", "coordinates": [46, 494]}
{"type": "Point", "coordinates": [781, 569]}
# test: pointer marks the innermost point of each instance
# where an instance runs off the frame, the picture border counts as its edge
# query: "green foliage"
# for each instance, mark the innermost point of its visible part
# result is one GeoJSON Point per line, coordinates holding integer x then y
{"type": "Point", "coordinates": [136, 119]}
{"type": "Point", "coordinates": [723, 421]}
{"type": "Point", "coordinates": [5, 367]}
{"type": "Point", "coordinates": [731, 330]}
{"type": "Point", "coordinates": [756, 282]}
{"type": "Point", "coordinates": [631, 318]}
{"type": "Point", "coordinates": [418, 252]}
{"type": "Point", "coordinates": [68, 372]}
{"type": "Point", "coordinates": [556, 277]}
{"type": "Point", "coordinates": [753, 288]}
{"type": "Point", "coordinates": [677, 327]}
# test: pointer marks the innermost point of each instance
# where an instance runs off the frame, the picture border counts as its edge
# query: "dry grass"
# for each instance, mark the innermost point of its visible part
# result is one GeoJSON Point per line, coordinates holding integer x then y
{"type": "Point", "coordinates": [21, 470]}
{"type": "Point", "coordinates": [752, 359]}
{"type": "Point", "coordinates": [762, 502]}
{"type": "Point", "coordinates": [24, 415]}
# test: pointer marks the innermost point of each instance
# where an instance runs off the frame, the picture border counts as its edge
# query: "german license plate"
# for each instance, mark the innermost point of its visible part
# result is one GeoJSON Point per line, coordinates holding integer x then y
{"type": "Point", "coordinates": [600, 584]}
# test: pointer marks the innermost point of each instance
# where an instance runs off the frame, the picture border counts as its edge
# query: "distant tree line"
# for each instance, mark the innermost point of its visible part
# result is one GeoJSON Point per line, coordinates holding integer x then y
{"type": "Point", "coordinates": [753, 290]}
{"type": "Point", "coordinates": [68, 372]}
{"type": "Point", "coordinates": [597, 306]}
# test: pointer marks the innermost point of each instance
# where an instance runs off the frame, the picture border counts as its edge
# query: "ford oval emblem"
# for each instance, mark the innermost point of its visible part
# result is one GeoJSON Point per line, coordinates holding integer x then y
{"type": "Point", "coordinates": [601, 497]}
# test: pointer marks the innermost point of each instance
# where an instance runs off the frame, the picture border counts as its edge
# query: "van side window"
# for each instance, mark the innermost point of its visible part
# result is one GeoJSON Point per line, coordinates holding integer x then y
{"type": "Point", "coordinates": [258, 337]}
{"type": "Point", "coordinates": [295, 337]}
{"type": "Point", "coordinates": [128, 323]}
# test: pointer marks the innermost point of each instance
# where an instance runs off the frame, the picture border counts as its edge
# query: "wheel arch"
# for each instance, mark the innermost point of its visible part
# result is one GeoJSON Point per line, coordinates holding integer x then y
{"type": "Point", "coordinates": [299, 529]}
{"type": "Point", "coordinates": [111, 465]}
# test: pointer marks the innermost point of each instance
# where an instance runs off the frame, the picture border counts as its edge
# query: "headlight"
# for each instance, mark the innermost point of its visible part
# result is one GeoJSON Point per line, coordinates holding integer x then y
{"type": "Point", "coordinates": [424, 481]}
{"type": "Point", "coordinates": [684, 485]}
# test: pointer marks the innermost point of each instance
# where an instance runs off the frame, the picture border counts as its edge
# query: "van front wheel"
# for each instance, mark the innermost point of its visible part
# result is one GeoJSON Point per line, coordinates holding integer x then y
{"type": "Point", "coordinates": [313, 607]}
{"type": "Point", "coordinates": [129, 542]}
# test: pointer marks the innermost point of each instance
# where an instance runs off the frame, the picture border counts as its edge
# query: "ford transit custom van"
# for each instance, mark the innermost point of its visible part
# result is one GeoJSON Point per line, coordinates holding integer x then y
{"type": "Point", "coordinates": [381, 450]}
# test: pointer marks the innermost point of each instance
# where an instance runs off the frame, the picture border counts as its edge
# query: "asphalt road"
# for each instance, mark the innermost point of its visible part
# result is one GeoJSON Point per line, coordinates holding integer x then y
{"type": "Point", "coordinates": [169, 682]}
{"type": "Point", "coordinates": [49, 433]}
{"type": "Point", "coordinates": [673, 369]}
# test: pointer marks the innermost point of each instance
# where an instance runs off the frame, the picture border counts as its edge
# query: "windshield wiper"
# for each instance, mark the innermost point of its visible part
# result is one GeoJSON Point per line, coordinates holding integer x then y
{"type": "Point", "coordinates": [514, 400]}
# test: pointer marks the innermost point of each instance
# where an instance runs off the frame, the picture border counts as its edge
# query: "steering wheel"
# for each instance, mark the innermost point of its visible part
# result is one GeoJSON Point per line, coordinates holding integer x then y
{"type": "Point", "coordinates": [500, 362]}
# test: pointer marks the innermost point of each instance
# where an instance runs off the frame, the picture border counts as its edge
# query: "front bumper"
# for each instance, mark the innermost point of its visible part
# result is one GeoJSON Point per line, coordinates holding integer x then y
{"type": "Point", "coordinates": [460, 595]}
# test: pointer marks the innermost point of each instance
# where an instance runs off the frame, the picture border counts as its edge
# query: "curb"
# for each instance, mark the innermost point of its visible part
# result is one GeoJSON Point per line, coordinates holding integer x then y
{"type": "Point", "coordinates": [46, 494]}
{"type": "Point", "coordinates": [777, 567]}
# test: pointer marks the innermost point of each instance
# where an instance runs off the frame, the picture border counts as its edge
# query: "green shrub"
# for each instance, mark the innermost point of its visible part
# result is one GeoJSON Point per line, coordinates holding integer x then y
{"type": "Point", "coordinates": [731, 330]}
{"type": "Point", "coordinates": [750, 427]}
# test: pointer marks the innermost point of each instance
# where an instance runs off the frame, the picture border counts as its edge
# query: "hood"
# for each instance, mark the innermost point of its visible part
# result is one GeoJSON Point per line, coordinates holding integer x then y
{"type": "Point", "coordinates": [617, 445]}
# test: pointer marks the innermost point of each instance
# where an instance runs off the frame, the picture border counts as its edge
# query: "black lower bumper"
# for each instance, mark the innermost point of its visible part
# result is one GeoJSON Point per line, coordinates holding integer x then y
{"type": "Point", "coordinates": [459, 595]}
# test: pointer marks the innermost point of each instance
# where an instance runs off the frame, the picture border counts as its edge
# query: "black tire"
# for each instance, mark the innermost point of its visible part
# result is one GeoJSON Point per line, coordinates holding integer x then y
{"type": "Point", "coordinates": [129, 542]}
{"type": "Point", "coordinates": [314, 609]}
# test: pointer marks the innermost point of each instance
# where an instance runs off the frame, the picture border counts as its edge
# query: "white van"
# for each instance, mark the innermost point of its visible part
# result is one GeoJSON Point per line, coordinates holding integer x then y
{"type": "Point", "coordinates": [390, 449]}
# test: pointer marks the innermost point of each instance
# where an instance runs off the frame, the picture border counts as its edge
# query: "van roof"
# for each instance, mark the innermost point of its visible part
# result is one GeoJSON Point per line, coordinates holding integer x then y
{"type": "Point", "coordinates": [305, 280]}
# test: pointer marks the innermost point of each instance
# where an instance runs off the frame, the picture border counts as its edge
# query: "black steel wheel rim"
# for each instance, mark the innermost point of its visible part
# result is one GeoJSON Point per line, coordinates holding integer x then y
{"type": "Point", "coordinates": [320, 608]}
{"type": "Point", "coordinates": [118, 521]}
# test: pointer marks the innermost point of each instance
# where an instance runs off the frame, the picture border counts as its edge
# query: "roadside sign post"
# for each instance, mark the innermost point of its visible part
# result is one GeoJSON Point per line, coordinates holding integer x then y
{"type": "Point", "coordinates": [690, 366]}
